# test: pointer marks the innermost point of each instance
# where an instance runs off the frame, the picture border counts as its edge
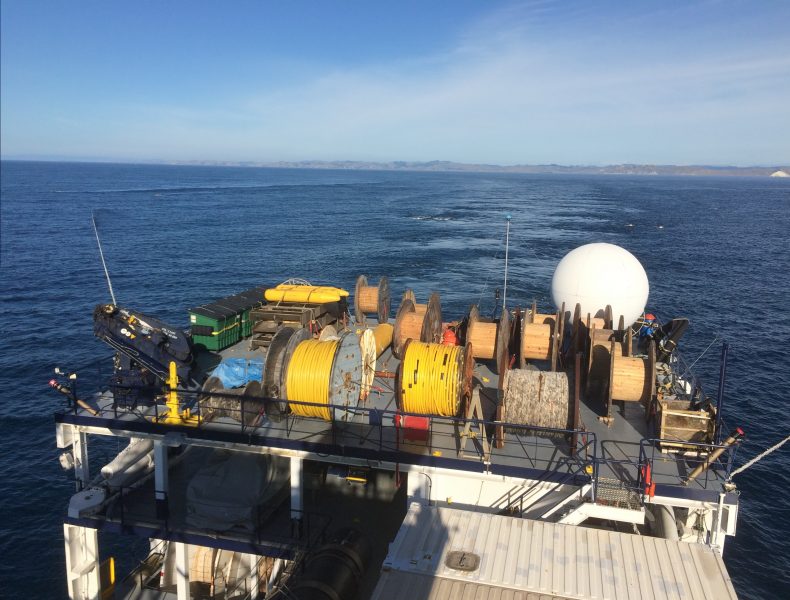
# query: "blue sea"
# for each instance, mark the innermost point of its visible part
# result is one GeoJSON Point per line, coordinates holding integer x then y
{"type": "Point", "coordinates": [716, 250]}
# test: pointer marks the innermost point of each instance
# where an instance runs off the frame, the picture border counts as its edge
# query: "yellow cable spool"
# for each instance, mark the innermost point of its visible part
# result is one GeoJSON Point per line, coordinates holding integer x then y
{"type": "Point", "coordinates": [431, 379]}
{"type": "Point", "coordinates": [308, 378]}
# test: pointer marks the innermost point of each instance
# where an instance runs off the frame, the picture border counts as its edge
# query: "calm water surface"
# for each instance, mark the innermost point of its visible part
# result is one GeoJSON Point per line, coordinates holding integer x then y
{"type": "Point", "coordinates": [715, 249]}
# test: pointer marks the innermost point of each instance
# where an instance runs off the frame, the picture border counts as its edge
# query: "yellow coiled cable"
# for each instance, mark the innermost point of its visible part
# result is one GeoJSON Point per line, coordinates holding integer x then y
{"type": "Point", "coordinates": [430, 379]}
{"type": "Point", "coordinates": [308, 378]}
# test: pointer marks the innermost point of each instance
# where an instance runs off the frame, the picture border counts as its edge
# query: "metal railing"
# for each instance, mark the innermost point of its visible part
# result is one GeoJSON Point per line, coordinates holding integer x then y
{"type": "Point", "coordinates": [374, 434]}
{"type": "Point", "coordinates": [368, 432]}
{"type": "Point", "coordinates": [696, 454]}
{"type": "Point", "coordinates": [147, 573]}
{"type": "Point", "coordinates": [137, 506]}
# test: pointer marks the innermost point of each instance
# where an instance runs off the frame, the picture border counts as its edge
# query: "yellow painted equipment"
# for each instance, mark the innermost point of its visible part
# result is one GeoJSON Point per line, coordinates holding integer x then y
{"type": "Point", "coordinates": [383, 336]}
{"type": "Point", "coordinates": [174, 416]}
{"type": "Point", "coordinates": [302, 294]}
{"type": "Point", "coordinates": [107, 578]}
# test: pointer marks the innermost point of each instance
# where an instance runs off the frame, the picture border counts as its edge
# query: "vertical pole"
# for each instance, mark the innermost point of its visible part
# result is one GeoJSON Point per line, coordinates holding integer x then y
{"type": "Point", "coordinates": [172, 395]}
{"type": "Point", "coordinates": [725, 348]}
{"type": "Point", "coordinates": [81, 462]}
{"type": "Point", "coordinates": [182, 572]}
{"type": "Point", "coordinates": [297, 485]}
{"type": "Point", "coordinates": [161, 482]}
{"type": "Point", "coordinates": [507, 247]}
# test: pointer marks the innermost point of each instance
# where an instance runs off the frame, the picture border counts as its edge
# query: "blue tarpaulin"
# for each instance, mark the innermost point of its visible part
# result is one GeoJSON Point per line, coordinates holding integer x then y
{"type": "Point", "coordinates": [238, 372]}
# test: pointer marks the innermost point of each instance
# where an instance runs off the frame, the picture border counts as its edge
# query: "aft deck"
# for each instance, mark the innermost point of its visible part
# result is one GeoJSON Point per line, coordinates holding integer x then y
{"type": "Point", "coordinates": [615, 450]}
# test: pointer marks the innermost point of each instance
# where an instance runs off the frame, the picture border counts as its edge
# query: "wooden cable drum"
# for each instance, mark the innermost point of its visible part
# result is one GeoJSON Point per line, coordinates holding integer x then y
{"type": "Point", "coordinates": [599, 360]}
{"type": "Point", "coordinates": [631, 378]}
{"type": "Point", "coordinates": [598, 357]}
{"type": "Point", "coordinates": [434, 379]}
{"type": "Point", "coordinates": [538, 399]}
{"type": "Point", "coordinates": [432, 322]}
{"type": "Point", "coordinates": [536, 341]}
{"type": "Point", "coordinates": [489, 340]}
{"type": "Point", "coordinates": [482, 335]}
{"type": "Point", "coordinates": [600, 322]}
{"type": "Point", "coordinates": [418, 308]}
{"type": "Point", "coordinates": [540, 339]}
{"type": "Point", "coordinates": [409, 325]}
{"type": "Point", "coordinates": [544, 318]}
{"type": "Point", "coordinates": [372, 299]}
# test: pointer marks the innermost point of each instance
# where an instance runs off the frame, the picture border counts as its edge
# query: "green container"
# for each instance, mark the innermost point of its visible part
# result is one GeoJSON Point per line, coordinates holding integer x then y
{"type": "Point", "coordinates": [215, 326]}
{"type": "Point", "coordinates": [252, 299]}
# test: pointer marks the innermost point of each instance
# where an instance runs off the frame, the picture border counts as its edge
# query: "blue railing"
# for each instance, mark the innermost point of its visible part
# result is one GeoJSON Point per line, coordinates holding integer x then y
{"type": "Point", "coordinates": [711, 478]}
{"type": "Point", "coordinates": [373, 434]}
{"type": "Point", "coordinates": [370, 432]}
{"type": "Point", "coordinates": [137, 507]}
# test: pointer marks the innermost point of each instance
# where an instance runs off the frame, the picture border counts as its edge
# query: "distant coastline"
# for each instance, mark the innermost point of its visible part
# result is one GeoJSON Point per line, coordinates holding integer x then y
{"type": "Point", "coordinates": [456, 167]}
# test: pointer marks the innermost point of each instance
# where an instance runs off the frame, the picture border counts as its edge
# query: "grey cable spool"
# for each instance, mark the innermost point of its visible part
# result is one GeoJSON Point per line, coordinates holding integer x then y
{"type": "Point", "coordinates": [538, 399]}
{"type": "Point", "coordinates": [273, 372]}
{"type": "Point", "coordinates": [218, 401]}
{"type": "Point", "coordinates": [345, 382]}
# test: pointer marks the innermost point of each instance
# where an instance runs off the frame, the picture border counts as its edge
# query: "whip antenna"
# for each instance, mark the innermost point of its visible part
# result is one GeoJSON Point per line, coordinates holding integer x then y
{"type": "Point", "coordinates": [507, 244]}
{"type": "Point", "coordinates": [101, 255]}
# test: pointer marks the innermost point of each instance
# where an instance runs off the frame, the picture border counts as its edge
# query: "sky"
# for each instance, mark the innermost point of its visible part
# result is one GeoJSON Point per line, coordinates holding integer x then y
{"type": "Point", "coordinates": [530, 82]}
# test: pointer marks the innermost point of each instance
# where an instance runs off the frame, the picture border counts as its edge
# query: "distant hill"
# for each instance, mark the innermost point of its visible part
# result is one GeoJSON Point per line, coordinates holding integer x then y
{"type": "Point", "coordinates": [448, 166]}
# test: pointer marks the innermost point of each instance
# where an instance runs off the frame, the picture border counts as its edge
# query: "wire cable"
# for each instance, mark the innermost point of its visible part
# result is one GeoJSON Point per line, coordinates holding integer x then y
{"type": "Point", "coordinates": [430, 379]}
{"type": "Point", "coordinates": [308, 378]}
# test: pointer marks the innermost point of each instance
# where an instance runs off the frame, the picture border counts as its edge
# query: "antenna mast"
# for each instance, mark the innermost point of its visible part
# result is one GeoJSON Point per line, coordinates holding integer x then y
{"type": "Point", "coordinates": [507, 246]}
{"type": "Point", "coordinates": [104, 264]}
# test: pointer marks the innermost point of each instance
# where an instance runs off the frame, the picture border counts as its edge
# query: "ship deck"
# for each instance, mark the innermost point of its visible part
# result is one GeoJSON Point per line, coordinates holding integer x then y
{"type": "Point", "coordinates": [598, 451]}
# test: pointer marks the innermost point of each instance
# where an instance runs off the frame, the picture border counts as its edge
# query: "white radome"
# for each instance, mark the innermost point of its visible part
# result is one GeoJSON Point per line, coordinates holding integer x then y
{"type": "Point", "coordinates": [595, 275]}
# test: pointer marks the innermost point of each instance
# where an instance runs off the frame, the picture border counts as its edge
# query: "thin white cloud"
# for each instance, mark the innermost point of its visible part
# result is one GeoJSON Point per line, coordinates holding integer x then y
{"type": "Point", "coordinates": [533, 82]}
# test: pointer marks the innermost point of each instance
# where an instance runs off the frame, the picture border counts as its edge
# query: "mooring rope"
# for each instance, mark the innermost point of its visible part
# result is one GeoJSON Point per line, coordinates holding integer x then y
{"type": "Point", "coordinates": [759, 457]}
